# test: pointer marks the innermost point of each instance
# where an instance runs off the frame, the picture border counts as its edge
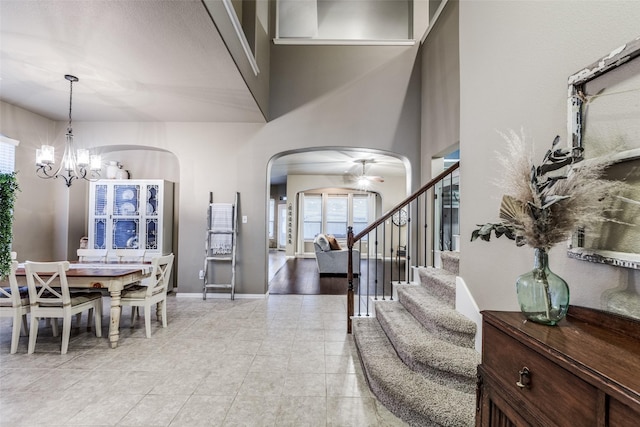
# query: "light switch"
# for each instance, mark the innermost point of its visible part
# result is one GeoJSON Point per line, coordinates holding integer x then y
{"type": "Point", "coordinates": [244, 219]}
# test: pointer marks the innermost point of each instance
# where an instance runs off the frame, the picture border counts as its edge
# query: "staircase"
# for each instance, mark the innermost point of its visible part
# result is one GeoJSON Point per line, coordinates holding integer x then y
{"type": "Point", "coordinates": [418, 352]}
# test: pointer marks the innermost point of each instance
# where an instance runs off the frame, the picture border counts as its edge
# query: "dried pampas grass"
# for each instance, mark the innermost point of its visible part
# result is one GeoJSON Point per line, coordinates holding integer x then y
{"type": "Point", "coordinates": [543, 205]}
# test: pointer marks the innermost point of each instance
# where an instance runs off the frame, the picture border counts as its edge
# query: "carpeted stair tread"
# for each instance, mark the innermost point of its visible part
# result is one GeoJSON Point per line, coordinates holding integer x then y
{"type": "Point", "coordinates": [410, 396]}
{"type": "Point", "coordinates": [438, 360]}
{"type": "Point", "coordinates": [450, 261]}
{"type": "Point", "coordinates": [440, 283]}
{"type": "Point", "coordinates": [438, 319]}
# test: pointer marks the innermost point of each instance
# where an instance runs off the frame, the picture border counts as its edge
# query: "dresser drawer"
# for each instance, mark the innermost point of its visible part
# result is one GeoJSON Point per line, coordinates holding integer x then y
{"type": "Point", "coordinates": [537, 383]}
{"type": "Point", "coordinates": [621, 415]}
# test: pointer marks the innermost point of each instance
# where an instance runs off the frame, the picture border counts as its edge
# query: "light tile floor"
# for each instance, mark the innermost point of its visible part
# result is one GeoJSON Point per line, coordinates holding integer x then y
{"type": "Point", "coordinates": [281, 361]}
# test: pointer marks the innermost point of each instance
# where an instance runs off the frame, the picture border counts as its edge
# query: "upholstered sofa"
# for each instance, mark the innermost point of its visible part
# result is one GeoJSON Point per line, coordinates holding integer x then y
{"type": "Point", "coordinates": [333, 261]}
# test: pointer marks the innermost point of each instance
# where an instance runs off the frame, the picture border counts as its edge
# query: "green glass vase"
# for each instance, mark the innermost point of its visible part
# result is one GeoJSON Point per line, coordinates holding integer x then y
{"type": "Point", "coordinates": [543, 295]}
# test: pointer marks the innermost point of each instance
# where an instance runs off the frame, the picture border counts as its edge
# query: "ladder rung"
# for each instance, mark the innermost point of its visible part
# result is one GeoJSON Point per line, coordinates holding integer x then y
{"type": "Point", "coordinates": [220, 232]}
{"type": "Point", "coordinates": [219, 258]}
{"type": "Point", "coordinates": [217, 285]}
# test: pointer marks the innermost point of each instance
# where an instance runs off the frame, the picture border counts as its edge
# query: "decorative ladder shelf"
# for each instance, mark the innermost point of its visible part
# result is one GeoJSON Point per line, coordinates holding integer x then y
{"type": "Point", "coordinates": [220, 244]}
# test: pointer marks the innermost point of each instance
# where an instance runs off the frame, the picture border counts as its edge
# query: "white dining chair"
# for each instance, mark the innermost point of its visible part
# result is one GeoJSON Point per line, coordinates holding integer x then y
{"type": "Point", "coordinates": [129, 255]}
{"type": "Point", "coordinates": [153, 290]}
{"type": "Point", "coordinates": [50, 298]}
{"type": "Point", "coordinates": [14, 302]}
{"type": "Point", "coordinates": [92, 255]}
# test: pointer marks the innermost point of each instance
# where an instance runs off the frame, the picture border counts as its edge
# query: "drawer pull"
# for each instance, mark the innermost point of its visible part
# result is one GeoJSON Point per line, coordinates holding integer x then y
{"type": "Point", "coordinates": [525, 378]}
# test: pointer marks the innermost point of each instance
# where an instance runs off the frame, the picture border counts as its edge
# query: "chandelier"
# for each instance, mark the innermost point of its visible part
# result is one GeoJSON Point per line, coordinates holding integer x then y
{"type": "Point", "coordinates": [75, 164]}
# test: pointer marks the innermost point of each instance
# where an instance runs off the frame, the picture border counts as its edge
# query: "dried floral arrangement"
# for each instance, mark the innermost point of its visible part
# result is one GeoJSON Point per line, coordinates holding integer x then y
{"type": "Point", "coordinates": [543, 205]}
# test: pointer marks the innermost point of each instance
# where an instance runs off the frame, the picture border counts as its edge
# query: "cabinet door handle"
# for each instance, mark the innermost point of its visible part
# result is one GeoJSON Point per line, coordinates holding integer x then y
{"type": "Point", "coordinates": [525, 378]}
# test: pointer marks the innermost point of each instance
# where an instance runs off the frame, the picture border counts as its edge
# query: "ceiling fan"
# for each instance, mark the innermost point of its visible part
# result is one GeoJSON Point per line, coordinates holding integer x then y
{"type": "Point", "coordinates": [361, 178]}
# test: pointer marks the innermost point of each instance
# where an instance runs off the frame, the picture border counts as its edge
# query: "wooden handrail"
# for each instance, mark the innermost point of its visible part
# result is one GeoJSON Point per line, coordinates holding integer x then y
{"type": "Point", "coordinates": [352, 239]}
{"type": "Point", "coordinates": [405, 202]}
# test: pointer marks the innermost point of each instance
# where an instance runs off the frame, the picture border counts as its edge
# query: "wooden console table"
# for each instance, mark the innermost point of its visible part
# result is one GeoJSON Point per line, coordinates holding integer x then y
{"type": "Point", "coordinates": [583, 372]}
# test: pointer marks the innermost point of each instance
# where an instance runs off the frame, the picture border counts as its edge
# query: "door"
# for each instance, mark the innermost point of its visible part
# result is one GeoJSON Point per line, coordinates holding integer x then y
{"type": "Point", "coordinates": [282, 226]}
{"type": "Point", "coordinates": [446, 216]}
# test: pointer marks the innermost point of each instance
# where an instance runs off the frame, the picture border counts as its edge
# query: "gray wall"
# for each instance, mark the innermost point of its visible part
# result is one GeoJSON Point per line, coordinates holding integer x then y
{"type": "Point", "coordinates": [358, 103]}
{"type": "Point", "coordinates": [515, 58]}
{"type": "Point", "coordinates": [440, 123]}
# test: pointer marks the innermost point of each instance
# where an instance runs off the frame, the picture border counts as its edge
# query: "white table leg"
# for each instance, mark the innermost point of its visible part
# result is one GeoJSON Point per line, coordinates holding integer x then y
{"type": "Point", "coordinates": [116, 310]}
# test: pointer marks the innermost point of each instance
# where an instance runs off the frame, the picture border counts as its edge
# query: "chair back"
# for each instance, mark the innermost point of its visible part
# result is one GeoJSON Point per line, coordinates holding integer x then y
{"type": "Point", "coordinates": [13, 291]}
{"type": "Point", "coordinates": [129, 255]}
{"type": "Point", "coordinates": [92, 255]}
{"type": "Point", "coordinates": [160, 273]}
{"type": "Point", "coordinates": [47, 283]}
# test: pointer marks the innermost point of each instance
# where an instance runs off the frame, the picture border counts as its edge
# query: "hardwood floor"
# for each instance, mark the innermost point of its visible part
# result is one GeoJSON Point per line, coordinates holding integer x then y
{"type": "Point", "coordinates": [299, 276]}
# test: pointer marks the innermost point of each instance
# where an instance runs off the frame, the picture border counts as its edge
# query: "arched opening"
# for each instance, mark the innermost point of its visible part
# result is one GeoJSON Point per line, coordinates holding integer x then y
{"type": "Point", "coordinates": [336, 186]}
{"type": "Point", "coordinates": [141, 162]}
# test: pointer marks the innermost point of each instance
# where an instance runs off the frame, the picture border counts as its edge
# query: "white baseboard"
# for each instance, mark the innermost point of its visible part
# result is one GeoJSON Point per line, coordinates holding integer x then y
{"type": "Point", "coordinates": [220, 295]}
{"type": "Point", "coordinates": [466, 305]}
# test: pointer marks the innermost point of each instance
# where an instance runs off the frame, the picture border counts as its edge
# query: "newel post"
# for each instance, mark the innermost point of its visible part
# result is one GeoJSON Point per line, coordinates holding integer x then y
{"type": "Point", "coordinates": [349, 277]}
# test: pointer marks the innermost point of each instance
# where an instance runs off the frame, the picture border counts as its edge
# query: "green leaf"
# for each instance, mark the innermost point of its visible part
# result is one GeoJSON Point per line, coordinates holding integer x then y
{"type": "Point", "coordinates": [8, 189]}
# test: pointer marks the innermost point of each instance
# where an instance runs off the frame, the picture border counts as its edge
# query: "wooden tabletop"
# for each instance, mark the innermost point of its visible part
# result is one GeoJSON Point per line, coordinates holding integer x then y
{"type": "Point", "coordinates": [100, 269]}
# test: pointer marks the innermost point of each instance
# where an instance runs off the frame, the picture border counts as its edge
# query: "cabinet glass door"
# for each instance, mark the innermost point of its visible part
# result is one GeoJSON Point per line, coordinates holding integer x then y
{"type": "Point", "coordinates": [126, 234]}
{"type": "Point", "coordinates": [100, 217]}
{"type": "Point", "coordinates": [126, 217]}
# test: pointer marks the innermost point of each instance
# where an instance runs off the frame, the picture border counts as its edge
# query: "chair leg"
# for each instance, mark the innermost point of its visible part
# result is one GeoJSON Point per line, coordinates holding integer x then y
{"type": "Point", "coordinates": [25, 327]}
{"type": "Point", "coordinates": [164, 313]}
{"type": "Point", "coordinates": [147, 320]}
{"type": "Point", "coordinates": [33, 334]}
{"type": "Point", "coordinates": [133, 315]}
{"type": "Point", "coordinates": [90, 316]}
{"type": "Point", "coordinates": [54, 325]}
{"type": "Point", "coordinates": [98, 318]}
{"type": "Point", "coordinates": [66, 333]}
{"type": "Point", "coordinates": [15, 334]}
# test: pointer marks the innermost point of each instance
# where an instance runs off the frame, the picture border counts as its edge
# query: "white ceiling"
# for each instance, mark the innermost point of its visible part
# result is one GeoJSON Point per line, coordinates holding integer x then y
{"type": "Point", "coordinates": [137, 60]}
{"type": "Point", "coordinates": [336, 161]}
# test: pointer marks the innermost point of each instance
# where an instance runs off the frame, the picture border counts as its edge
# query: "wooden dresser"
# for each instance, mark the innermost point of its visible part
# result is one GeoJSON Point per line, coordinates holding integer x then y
{"type": "Point", "coordinates": [584, 372]}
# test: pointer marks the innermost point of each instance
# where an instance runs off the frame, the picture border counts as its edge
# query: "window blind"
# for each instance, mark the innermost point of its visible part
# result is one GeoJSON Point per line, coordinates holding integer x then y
{"type": "Point", "coordinates": [7, 154]}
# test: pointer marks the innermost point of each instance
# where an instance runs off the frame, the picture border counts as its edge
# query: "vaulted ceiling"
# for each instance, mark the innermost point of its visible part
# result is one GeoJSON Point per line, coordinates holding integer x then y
{"type": "Point", "coordinates": [142, 60]}
{"type": "Point", "coordinates": [137, 60]}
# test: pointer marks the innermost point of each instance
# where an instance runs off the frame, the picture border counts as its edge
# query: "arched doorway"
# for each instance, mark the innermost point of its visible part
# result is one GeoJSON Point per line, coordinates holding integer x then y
{"type": "Point", "coordinates": [326, 170]}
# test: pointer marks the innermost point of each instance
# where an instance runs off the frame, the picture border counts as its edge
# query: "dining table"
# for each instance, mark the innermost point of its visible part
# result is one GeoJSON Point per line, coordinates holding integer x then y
{"type": "Point", "coordinates": [112, 276]}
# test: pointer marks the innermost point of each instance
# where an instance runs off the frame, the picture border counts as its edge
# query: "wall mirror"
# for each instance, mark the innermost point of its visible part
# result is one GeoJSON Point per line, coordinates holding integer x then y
{"type": "Point", "coordinates": [604, 118]}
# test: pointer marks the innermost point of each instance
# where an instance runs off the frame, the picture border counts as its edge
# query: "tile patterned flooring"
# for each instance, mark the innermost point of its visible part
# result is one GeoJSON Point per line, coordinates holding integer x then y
{"type": "Point", "coordinates": [285, 360]}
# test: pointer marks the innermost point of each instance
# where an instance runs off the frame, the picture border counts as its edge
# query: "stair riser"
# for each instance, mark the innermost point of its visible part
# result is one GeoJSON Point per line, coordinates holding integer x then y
{"type": "Point", "coordinates": [463, 383]}
{"type": "Point", "coordinates": [451, 262]}
{"type": "Point", "coordinates": [441, 287]}
{"type": "Point", "coordinates": [454, 337]}
{"type": "Point", "coordinates": [409, 399]}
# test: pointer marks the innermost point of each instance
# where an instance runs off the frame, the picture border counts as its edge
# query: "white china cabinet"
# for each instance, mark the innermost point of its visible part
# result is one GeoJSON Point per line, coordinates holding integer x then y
{"type": "Point", "coordinates": [131, 214]}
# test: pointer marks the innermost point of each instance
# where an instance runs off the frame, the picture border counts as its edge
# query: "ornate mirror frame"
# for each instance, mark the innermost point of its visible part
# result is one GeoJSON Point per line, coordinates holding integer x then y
{"type": "Point", "coordinates": [626, 160]}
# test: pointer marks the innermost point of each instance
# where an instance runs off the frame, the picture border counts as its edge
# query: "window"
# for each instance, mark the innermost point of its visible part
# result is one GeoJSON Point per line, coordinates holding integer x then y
{"type": "Point", "coordinates": [272, 218]}
{"type": "Point", "coordinates": [360, 212]}
{"type": "Point", "coordinates": [312, 215]}
{"type": "Point", "coordinates": [333, 213]}
{"type": "Point", "coordinates": [337, 216]}
{"type": "Point", "coordinates": [7, 154]}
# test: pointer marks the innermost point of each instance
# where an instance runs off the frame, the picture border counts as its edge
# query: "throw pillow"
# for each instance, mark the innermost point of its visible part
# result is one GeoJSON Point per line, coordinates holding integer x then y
{"type": "Point", "coordinates": [323, 242]}
{"type": "Point", "coordinates": [333, 243]}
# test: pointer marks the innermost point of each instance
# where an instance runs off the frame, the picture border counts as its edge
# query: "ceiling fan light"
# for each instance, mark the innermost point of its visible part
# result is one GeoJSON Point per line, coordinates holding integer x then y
{"type": "Point", "coordinates": [363, 182]}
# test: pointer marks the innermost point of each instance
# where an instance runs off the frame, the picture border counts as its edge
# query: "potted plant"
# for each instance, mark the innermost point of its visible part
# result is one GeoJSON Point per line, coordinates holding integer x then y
{"type": "Point", "coordinates": [541, 207]}
{"type": "Point", "coordinates": [8, 189]}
